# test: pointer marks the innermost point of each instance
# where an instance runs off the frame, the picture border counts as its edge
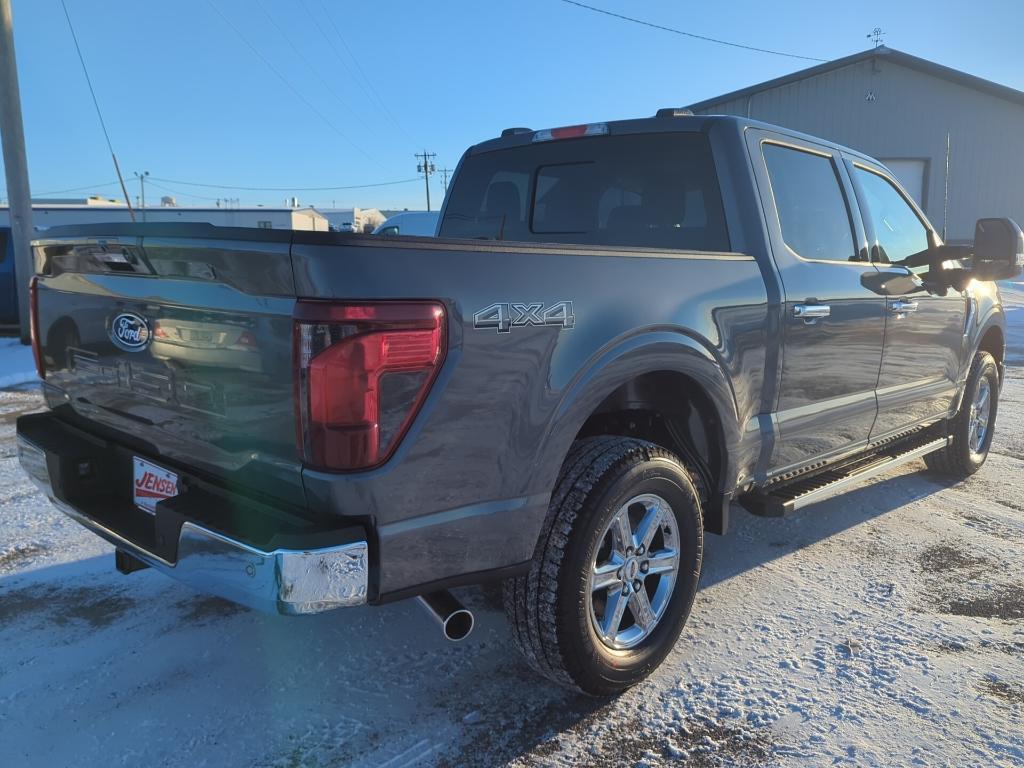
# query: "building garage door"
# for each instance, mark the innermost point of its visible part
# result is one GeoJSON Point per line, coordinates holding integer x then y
{"type": "Point", "coordinates": [910, 173]}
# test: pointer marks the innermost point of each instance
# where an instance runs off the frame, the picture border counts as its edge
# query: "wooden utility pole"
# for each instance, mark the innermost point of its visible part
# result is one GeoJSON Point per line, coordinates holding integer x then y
{"type": "Point", "coordinates": [426, 167]}
{"type": "Point", "coordinates": [445, 173]}
{"type": "Point", "coordinates": [12, 133]}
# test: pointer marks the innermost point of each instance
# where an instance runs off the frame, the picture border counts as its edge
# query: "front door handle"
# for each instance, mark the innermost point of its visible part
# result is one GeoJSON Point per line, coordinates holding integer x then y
{"type": "Point", "coordinates": [811, 313]}
{"type": "Point", "coordinates": [900, 307]}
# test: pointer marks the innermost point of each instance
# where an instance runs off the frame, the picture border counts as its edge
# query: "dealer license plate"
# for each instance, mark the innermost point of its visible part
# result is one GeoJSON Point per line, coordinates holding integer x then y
{"type": "Point", "coordinates": [151, 484]}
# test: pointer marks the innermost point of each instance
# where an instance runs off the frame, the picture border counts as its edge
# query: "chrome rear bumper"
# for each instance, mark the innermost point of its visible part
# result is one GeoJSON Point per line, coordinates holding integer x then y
{"type": "Point", "coordinates": [287, 581]}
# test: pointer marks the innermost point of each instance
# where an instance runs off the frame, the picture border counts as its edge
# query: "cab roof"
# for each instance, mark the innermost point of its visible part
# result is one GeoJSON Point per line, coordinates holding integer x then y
{"type": "Point", "coordinates": [668, 120]}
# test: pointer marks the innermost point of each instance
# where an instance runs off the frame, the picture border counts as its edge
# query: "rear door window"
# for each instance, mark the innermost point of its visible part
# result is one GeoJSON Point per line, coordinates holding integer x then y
{"type": "Point", "coordinates": [813, 214]}
{"type": "Point", "coordinates": [647, 191]}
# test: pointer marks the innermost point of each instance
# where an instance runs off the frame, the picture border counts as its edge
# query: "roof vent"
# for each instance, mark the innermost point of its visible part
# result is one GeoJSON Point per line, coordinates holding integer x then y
{"type": "Point", "coordinates": [674, 112]}
{"type": "Point", "coordinates": [515, 131]}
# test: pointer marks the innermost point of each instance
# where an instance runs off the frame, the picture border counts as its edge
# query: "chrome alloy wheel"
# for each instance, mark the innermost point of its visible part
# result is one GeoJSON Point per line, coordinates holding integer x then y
{"type": "Point", "coordinates": [634, 571]}
{"type": "Point", "coordinates": [981, 412]}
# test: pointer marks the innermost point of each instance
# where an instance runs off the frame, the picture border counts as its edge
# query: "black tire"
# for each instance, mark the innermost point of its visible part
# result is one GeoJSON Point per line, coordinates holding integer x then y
{"type": "Point", "coordinates": [548, 609]}
{"type": "Point", "coordinates": [958, 460]}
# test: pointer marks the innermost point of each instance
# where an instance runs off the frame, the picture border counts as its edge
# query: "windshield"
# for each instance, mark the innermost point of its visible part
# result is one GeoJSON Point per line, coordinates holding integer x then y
{"type": "Point", "coordinates": [646, 191]}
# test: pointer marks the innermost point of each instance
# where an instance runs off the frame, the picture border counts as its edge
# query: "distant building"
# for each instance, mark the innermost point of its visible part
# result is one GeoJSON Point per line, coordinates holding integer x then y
{"type": "Point", "coordinates": [51, 213]}
{"type": "Point", "coordinates": [353, 219]}
{"type": "Point", "coordinates": [901, 109]}
{"type": "Point", "coordinates": [91, 200]}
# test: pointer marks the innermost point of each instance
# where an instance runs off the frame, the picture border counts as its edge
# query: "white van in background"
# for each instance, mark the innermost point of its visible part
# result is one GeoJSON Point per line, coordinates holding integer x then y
{"type": "Point", "coordinates": [421, 223]}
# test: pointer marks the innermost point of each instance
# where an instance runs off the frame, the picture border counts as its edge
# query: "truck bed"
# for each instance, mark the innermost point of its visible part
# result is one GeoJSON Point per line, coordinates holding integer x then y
{"type": "Point", "coordinates": [213, 393]}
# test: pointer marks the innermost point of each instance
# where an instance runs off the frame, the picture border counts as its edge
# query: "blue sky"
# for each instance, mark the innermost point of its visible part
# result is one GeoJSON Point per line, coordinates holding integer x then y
{"type": "Point", "coordinates": [186, 98]}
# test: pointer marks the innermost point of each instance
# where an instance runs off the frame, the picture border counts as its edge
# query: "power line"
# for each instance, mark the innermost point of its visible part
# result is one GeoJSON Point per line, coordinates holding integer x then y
{"type": "Point", "coordinates": [184, 194]}
{"type": "Point", "coordinates": [228, 202]}
{"type": "Point", "coordinates": [690, 34]}
{"type": "Point", "coordinates": [359, 75]}
{"type": "Point", "coordinates": [369, 82]}
{"type": "Point", "coordinates": [285, 189]}
{"type": "Point", "coordinates": [88, 80]}
{"type": "Point", "coordinates": [96, 103]}
{"type": "Point", "coordinates": [313, 69]}
{"type": "Point", "coordinates": [77, 189]}
{"type": "Point", "coordinates": [288, 84]}
{"type": "Point", "coordinates": [153, 179]}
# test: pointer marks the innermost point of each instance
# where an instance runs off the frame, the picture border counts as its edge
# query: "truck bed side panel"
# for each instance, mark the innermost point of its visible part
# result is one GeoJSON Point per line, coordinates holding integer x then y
{"type": "Point", "coordinates": [468, 489]}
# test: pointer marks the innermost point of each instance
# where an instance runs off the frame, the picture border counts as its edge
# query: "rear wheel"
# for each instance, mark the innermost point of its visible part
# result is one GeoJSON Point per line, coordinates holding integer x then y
{"type": "Point", "coordinates": [973, 425]}
{"type": "Point", "coordinates": [616, 569]}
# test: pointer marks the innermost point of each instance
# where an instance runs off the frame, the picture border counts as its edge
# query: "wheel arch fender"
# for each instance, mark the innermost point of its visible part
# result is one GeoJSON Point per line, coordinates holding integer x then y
{"type": "Point", "coordinates": [991, 336]}
{"type": "Point", "coordinates": [650, 351]}
{"type": "Point", "coordinates": [988, 333]}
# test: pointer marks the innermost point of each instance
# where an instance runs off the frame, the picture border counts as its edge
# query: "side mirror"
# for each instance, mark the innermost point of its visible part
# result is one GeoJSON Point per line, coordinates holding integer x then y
{"type": "Point", "coordinates": [998, 250]}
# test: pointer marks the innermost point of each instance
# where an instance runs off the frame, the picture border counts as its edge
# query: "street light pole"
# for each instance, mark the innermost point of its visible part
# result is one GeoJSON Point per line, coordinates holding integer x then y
{"type": "Point", "coordinates": [142, 190]}
{"type": "Point", "coordinates": [12, 133]}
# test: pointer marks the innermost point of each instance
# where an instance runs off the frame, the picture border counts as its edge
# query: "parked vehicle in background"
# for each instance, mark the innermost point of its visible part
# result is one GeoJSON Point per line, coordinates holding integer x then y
{"type": "Point", "coordinates": [8, 287]}
{"type": "Point", "coordinates": [419, 223]}
{"type": "Point", "coordinates": [621, 328]}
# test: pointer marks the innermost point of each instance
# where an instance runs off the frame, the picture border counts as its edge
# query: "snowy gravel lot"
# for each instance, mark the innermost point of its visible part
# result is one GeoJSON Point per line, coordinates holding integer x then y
{"type": "Point", "coordinates": [884, 627]}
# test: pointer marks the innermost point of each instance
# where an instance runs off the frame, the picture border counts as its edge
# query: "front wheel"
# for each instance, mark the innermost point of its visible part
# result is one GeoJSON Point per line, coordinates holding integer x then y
{"type": "Point", "coordinates": [974, 424]}
{"type": "Point", "coordinates": [616, 569]}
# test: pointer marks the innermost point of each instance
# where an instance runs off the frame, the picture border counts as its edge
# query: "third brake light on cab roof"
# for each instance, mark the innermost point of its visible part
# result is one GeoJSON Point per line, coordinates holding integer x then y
{"type": "Point", "coordinates": [571, 132]}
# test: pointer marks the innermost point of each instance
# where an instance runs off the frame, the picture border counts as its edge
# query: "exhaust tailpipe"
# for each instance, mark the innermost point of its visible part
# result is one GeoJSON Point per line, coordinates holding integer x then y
{"type": "Point", "coordinates": [455, 619]}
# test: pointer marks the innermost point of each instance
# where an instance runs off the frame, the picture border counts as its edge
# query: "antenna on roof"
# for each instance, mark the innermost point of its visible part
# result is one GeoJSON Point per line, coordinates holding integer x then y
{"type": "Point", "coordinates": [876, 36]}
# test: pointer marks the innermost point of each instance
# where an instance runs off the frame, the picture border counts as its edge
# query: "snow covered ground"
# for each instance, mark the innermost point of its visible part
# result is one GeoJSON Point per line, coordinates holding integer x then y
{"type": "Point", "coordinates": [16, 364]}
{"type": "Point", "coordinates": [884, 627]}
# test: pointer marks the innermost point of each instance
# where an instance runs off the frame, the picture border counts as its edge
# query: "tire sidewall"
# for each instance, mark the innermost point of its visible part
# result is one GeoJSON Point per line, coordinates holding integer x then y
{"type": "Point", "coordinates": [985, 368]}
{"type": "Point", "coordinates": [617, 668]}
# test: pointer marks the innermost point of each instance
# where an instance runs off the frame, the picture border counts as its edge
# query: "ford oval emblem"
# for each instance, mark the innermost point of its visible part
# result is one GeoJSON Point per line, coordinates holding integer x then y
{"type": "Point", "coordinates": [130, 332]}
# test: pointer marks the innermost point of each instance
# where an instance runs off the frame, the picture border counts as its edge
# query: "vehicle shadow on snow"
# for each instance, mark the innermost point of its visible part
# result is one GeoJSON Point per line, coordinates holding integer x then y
{"type": "Point", "coordinates": [754, 541]}
{"type": "Point", "coordinates": [392, 686]}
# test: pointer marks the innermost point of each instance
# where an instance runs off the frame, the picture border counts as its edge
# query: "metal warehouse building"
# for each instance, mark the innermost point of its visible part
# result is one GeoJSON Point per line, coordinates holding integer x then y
{"type": "Point", "coordinates": [955, 141]}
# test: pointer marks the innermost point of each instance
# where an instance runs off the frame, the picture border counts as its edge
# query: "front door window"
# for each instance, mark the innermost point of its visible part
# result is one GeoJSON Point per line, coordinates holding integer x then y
{"type": "Point", "coordinates": [899, 232]}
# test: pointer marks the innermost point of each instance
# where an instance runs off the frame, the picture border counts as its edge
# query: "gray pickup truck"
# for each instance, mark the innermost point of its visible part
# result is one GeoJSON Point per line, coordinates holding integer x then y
{"type": "Point", "coordinates": [621, 329]}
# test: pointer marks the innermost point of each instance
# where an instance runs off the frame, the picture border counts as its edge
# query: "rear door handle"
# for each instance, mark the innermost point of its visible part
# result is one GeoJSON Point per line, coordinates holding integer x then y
{"type": "Point", "coordinates": [901, 307]}
{"type": "Point", "coordinates": [811, 313]}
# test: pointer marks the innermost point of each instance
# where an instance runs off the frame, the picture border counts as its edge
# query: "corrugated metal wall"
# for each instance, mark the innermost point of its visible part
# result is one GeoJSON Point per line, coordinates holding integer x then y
{"type": "Point", "coordinates": [887, 110]}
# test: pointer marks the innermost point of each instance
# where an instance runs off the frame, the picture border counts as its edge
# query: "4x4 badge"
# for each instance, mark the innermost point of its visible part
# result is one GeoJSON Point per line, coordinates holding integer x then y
{"type": "Point", "coordinates": [506, 316]}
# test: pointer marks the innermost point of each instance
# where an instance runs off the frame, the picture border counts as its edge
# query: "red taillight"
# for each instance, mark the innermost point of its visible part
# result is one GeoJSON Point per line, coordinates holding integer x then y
{"type": "Point", "coordinates": [362, 371]}
{"type": "Point", "coordinates": [33, 324]}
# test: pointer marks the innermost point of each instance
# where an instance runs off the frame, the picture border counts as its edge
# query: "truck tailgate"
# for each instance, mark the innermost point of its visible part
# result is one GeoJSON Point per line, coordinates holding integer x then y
{"type": "Point", "coordinates": [176, 340]}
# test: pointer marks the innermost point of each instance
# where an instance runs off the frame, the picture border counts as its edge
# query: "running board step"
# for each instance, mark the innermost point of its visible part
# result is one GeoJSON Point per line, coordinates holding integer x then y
{"type": "Point", "coordinates": [784, 499]}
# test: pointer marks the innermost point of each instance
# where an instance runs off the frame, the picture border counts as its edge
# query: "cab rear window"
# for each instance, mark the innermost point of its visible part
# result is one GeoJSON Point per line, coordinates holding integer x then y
{"type": "Point", "coordinates": [645, 191]}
